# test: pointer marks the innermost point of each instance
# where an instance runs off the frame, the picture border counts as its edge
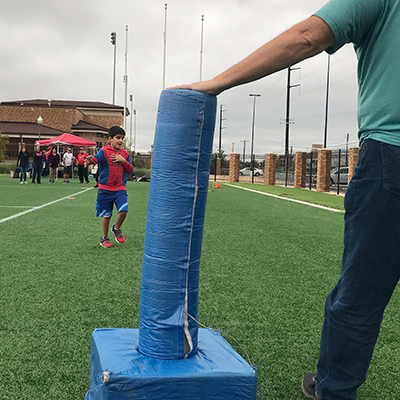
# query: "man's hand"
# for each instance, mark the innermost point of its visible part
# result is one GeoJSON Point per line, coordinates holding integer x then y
{"type": "Point", "coordinates": [205, 86]}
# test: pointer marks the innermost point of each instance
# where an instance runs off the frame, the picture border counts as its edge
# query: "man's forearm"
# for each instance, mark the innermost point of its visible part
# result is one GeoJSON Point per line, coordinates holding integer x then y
{"type": "Point", "coordinates": [302, 41]}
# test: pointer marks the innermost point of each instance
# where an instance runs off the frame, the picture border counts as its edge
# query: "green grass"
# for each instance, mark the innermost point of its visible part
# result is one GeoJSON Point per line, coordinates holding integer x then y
{"type": "Point", "coordinates": [267, 266]}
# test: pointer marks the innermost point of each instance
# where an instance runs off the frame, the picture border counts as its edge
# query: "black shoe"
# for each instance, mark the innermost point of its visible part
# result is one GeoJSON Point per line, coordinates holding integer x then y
{"type": "Point", "coordinates": [308, 386]}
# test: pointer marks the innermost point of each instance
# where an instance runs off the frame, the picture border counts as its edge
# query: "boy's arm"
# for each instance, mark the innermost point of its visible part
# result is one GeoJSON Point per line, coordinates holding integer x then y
{"type": "Point", "coordinates": [90, 160]}
{"type": "Point", "coordinates": [125, 162]}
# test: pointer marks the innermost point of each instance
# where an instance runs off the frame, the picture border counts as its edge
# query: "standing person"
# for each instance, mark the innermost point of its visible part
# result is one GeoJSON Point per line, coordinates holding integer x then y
{"type": "Point", "coordinates": [22, 163]}
{"type": "Point", "coordinates": [46, 170]}
{"type": "Point", "coordinates": [370, 265]}
{"type": "Point", "coordinates": [82, 169]}
{"type": "Point", "coordinates": [53, 161]}
{"type": "Point", "coordinates": [115, 164]}
{"type": "Point", "coordinates": [68, 158]}
{"type": "Point", "coordinates": [38, 159]}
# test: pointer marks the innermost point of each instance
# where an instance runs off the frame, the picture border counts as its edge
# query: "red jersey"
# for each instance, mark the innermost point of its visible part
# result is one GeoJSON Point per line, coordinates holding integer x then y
{"type": "Point", "coordinates": [81, 157]}
{"type": "Point", "coordinates": [112, 174]}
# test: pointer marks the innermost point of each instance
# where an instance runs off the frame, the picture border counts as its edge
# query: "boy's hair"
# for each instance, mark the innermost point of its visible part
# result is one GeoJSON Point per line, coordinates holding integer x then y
{"type": "Point", "coordinates": [115, 130]}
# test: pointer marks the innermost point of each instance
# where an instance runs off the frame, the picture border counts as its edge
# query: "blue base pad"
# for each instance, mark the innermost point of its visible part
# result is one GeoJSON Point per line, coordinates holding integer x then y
{"type": "Point", "coordinates": [119, 372]}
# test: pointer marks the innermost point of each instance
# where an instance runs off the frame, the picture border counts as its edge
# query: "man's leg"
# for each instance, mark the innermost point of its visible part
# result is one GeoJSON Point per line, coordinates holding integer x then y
{"type": "Point", "coordinates": [370, 272]}
{"type": "Point", "coordinates": [80, 173]}
{"type": "Point", "coordinates": [85, 174]}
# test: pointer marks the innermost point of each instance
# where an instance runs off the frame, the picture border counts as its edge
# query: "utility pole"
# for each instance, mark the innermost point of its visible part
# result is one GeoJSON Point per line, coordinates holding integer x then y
{"type": "Point", "coordinates": [244, 149]}
{"type": "Point", "coordinates": [289, 86]}
{"type": "Point", "coordinates": [130, 131]}
{"type": "Point", "coordinates": [114, 43]}
{"type": "Point", "coordinates": [165, 44]}
{"type": "Point", "coordinates": [252, 135]}
{"type": "Point", "coordinates": [347, 149]}
{"type": "Point", "coordinates": [220, 126]}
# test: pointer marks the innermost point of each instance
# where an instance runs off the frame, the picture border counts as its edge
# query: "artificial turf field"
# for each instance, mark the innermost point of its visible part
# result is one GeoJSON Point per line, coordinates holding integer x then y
{"type": "Point", "coordinates": [267, 265]}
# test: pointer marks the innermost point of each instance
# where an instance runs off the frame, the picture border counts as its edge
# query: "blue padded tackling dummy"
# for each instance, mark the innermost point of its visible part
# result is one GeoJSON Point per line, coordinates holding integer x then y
{"type": "Point", "coordinates": [175, 219]}
{"type": "Point", "coordinates": [118, 371]}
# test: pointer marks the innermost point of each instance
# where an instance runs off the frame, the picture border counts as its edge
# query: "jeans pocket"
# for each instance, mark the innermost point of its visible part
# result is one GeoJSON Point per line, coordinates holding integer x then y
{"type": "Point", "coordinates": [391, 167]}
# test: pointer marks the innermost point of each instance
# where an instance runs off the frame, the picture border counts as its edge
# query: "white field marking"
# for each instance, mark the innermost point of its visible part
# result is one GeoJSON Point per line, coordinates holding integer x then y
{"type": "Point", "coordinates": [285, 198]}
{"type": "Point", "coordinates": [42, 206]}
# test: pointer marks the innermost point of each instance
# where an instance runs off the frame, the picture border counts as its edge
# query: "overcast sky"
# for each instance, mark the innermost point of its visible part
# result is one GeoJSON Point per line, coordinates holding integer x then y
{"type": "Point", "coordinates": [61, 50]}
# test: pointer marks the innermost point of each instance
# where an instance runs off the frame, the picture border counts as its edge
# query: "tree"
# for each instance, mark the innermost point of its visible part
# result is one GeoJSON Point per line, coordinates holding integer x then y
{"type": "Point", "coordinates": [222, 156]}
{"type": "Point", "coordinates": [3, 144]}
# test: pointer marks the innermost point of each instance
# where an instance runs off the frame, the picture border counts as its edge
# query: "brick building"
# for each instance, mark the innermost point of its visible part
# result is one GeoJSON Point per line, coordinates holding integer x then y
{"type": "Point", "coordinates": [89, 120]}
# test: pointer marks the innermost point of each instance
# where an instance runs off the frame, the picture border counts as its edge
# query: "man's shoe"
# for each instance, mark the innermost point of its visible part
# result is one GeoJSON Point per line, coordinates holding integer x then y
{"type": "Point", "coordinates": [119, 237]}
{"type": "Point", "coordinates": [308, 386]}
{"type": "Point", "coordinates": [105, 242]}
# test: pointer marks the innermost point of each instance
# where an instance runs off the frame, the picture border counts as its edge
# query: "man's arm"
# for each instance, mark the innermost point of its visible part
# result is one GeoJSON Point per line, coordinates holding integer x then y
{"type": "Point", "coordinates": [302, 41]}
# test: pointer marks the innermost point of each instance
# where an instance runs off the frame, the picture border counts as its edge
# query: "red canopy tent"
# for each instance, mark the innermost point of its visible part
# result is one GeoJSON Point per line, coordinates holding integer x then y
{"type": "Point", "coordinates": [66, 139]}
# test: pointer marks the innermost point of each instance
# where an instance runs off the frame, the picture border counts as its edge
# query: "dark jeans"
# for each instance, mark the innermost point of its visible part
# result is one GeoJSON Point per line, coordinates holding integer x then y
{"type": "Point", "coordinates": [370, 272]}
{"type": "Point", "coordinates": [83, 173]}
{"type": "Point", "coordinates": [22, 176]}
{"type": "Point", "coordinates": [37, 171]}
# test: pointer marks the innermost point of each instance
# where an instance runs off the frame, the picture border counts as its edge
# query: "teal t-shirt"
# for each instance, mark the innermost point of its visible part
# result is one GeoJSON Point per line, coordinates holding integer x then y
{"type": "Point", "coordinates": [373, 26]}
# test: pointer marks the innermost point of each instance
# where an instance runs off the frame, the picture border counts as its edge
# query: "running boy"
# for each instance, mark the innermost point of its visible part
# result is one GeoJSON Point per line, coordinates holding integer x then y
{"type": "Point", "coordinates": [115, 164]}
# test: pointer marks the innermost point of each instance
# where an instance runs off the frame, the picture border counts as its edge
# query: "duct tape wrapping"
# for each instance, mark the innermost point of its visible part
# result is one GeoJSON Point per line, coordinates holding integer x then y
{"type": "Point", "coordinates": [175, 220]}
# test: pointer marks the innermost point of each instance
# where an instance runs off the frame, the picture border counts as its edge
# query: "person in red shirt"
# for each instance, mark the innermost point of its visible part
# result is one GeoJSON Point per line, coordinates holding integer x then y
{"type": "Point", "coordinates": [115, 164]}
{"type": "Point", "coordinates": [82, 169]}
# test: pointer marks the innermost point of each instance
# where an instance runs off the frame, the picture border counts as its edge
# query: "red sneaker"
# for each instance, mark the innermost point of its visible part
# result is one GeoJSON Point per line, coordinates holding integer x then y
{"type": "Point", "coordinates": [119, 237]}
{"type": "Point", "coordinates": [105, 242]}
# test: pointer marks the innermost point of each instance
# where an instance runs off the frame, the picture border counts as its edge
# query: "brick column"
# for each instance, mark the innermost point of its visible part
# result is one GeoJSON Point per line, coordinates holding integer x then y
{"type": "Point", "coordinates": [300, 169]}
{"type": "Point", "coordinates": [324, 170]}
{"type": "Point", "coordinates": [218, 166]}
{"type": "Point", "coordinates": [234, 166]}
{"type": "Point", "coordinates": [353, 159]}
{"type": "Point", "coordinates": [270, 169]}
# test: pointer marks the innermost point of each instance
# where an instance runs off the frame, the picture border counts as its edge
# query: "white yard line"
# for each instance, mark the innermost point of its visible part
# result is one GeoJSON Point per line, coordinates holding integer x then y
{"type": "Point", "coordinates": [285, 198]}
{"type": "Point", "coordinates": [42, 206]}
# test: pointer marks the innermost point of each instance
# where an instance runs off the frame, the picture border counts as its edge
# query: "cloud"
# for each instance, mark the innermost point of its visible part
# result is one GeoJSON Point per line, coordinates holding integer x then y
{"type": "Point", "coordinates": [62, 50]}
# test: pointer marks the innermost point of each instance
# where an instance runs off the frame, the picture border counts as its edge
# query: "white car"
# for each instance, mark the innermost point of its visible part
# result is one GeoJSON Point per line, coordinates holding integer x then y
{"type": "Point", "coordinates": [247, 172]}
{"type": "Point", "coordinates": [344, 176]}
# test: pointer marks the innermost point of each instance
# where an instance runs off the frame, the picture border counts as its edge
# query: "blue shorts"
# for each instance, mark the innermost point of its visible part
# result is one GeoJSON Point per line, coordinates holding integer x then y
{"type": "Point", "coordinates": [106, 200]}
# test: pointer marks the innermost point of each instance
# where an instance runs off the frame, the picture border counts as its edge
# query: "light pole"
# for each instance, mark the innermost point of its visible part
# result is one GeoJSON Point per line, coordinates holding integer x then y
{"type": "Point", "coordinates": [134, 137]}
{"type": "Point", "coordinates": [201, 48]}
{"type": "Point", "coordinates": [326, 101]}
{"type": "Point", "coordinates": [130, 133]}
{"type": "Point", "coordinates": [114, 43]}
{"type": "Point", "coordinates": [40, 122]}
{"type": "Point", "coordinates": [252, 136]}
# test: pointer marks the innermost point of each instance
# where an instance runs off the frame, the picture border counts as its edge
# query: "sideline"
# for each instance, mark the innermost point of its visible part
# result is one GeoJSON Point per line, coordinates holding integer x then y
{"type": "Point", "coordinates": [288, 199]}
{"type": "Point", "coordinates": [42, 206]}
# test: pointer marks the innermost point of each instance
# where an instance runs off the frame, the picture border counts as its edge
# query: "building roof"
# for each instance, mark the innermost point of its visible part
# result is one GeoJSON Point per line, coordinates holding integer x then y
{"type": "Point", "coordinates": [82, 126]}
{"type": "Point", "coordinates": [62, 104]}
{"type": "Point", "coordinates": [31, 128]}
